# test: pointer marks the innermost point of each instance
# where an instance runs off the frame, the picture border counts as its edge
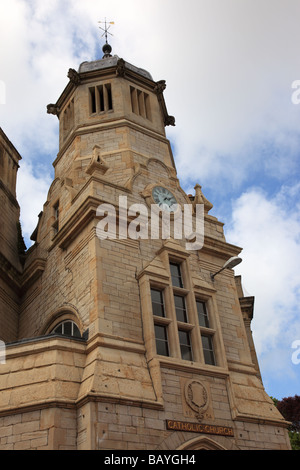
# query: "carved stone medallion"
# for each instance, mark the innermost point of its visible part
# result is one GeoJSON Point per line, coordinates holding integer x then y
{"type": "Point", "coordinates": [196, 397]}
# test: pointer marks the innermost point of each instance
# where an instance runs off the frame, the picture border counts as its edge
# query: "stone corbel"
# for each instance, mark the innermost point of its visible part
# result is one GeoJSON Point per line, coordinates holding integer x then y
{"type": "Point", "coordinates": [53, 109]}
{"type": "Point", "coordinates": [74, 76]}
{"type": "Point", "coordinates": [120, 71]}
{"type": "Point", "coordinates": [169, 121]}
{"type": "Point", "coordinates": [97, 162]}
{"type": "Point", "coordinates": [160, 86]}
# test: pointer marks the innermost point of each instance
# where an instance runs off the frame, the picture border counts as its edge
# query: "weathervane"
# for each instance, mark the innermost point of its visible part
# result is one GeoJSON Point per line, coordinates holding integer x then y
{"type": "Point", "coordinates": [106, 28]}
{"type": "Point", "coordinates": [106, 48]}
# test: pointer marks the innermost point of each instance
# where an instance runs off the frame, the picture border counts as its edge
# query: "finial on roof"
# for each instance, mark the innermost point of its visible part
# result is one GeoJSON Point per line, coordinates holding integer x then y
{"type": "Point", "coordinates": [106, 48]}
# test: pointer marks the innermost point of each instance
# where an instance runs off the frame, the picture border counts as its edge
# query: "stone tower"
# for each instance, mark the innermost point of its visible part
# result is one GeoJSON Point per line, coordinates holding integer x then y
{"type": "Point", "coordinates": [121, 340]}
{"type": "Point", "coordinates": [11, 245]}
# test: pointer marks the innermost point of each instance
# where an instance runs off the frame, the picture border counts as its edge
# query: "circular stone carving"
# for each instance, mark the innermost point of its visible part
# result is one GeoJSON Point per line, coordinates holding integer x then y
{"type": "Point", "coordinates": [196, 397]}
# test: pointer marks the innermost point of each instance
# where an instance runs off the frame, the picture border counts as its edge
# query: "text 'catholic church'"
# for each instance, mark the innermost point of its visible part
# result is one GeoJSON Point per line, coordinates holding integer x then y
{"type": "Point", "coordinates": [123, 342]}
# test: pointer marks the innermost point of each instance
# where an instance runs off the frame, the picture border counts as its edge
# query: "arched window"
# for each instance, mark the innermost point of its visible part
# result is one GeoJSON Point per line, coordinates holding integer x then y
{"type": "Point", "coordinates": [67, 328]}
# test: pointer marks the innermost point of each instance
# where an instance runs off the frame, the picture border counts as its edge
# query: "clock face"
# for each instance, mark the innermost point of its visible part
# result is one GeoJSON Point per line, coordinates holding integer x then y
{"type": "Point", "coordinates": [164, 199]}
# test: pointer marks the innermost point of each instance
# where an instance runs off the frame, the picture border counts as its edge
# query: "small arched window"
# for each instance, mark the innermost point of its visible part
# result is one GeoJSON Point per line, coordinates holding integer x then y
{"type": "Point", "coordinates": [67, 328]}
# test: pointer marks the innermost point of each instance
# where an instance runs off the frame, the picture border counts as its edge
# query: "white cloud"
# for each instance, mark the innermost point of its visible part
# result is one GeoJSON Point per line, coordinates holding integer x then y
{"type": "Point", "coordinates": [269, 231]}
{"type": "Point", "coordinates": [32, 192]}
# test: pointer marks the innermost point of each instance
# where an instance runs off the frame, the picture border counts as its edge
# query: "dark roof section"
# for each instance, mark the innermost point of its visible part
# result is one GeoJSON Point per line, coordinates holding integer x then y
{"type": "Point", "coordinates": [111, 62]}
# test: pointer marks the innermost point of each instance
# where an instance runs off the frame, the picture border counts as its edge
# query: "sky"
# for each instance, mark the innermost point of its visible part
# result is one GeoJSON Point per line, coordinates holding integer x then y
{"type": "Point", "coordinates": [232, 69]}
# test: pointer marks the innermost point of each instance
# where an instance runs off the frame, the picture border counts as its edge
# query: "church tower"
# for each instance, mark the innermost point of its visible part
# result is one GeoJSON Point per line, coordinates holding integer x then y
{"type": "Point", "coordinates": [132, 331]}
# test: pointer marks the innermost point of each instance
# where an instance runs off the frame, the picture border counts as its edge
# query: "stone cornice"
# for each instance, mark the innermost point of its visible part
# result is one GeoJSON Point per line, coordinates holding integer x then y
{"type": "Point", "coordinates": [112, 124]}
{"type": "Point", "coordinates": [174, 363]}
{"type": "Point", "coordinates": [247, 307]}
{"type": "Point", "coordinates": [81, 217]}
{"type": "Point", "coordinates": [32, 273]}
{"type": "Point", "coordinates": [267, 421]}
{"type": "Point", "coordinates": [220, 248]}
{"type": "Point", "coordinates": [10, 145]}
{"type": "Point", "coordinates": [10, 196]}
